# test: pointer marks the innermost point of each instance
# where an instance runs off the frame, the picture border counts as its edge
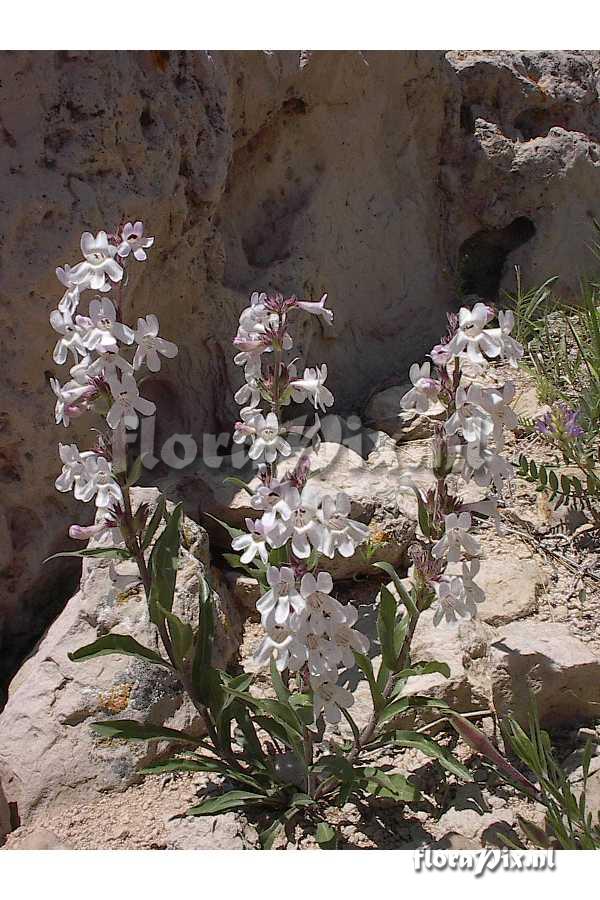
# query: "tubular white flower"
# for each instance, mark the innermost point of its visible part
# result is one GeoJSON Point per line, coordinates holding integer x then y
{"type": "Point", "coordinates": [329, 698]}
{"type": "Point", "coordinates": [496, 403]}
{"type": "Point", "coordinates": [339, 532]}
{"type": "Point", "coordinates": [277, 643]}
{"type": "Point", "coordinates": [268, 442]}
{"type": "Point", "coordinates": [99, 262]}
{"type": "Point", "coordinates": [317, 308]}
{"type": "Point", "coordinates": [150, 345]}
{"type": "Point", "coordinates": [456, 539]}
{"type": "Point", "coordinates": [425, 390]}
{"type": "Point", "coordinates": [127, 403]}
{"type": "Point", "coordinates": [252, 543]}
{"type": "Point", "coordinates": [283, 598]}
{"type": "Point", "coordinates": [312, 385]}
{"type": "Point", "coordinates": [469, 419]}
{"type": "Point", "coordinates": [133, 241]}
{"type": "Point", "coordinates": [321, 607]}
{"type": "Point", "coordinates": [104, 330]}
{"type": "Point", "coordinates": [472, 339]}
{"type": "Point", "coordinates": [67, 398]}
{"type": "Point", "coordinates": [71, 340]}
{"type": "Point", "coordinates": [97, 480]}
{"type": "Point", "coordinates": [298, 520]}
{"type": "Point", "coordinates": [73, 466]}
{"type": "Point", "coordinates": [450, 600]}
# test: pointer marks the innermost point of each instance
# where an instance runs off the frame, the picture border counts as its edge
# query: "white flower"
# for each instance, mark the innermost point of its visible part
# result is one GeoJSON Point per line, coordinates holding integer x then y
{"type": "Point", "coordinates": [252, 543]}
{"type": "Point", "coordinates": [320, 606]}
{"type": "Point", "coordinates": [451, 599]}
{"type": "Point", "coordinates": [425, 390]}
{"type": "Point", "coordinates": [313, 385]}
{"type": "Point", "coordinates": [471, 339]}
{"type": "Point", "coordinates": [268, 442]}
{"type": "Point", "coordinates": [484, 466]}
{"type": "Point", "coordinates": [104, 331]}
{"type": "Point", "coordinates": [246, 427]}
{"type": "Point", "coordinates": [278, 643]}
{"type": "Point", "coordinates": [248, 393]}
{"type": "Point", "coordinates": [339, 532]}
{"type": "Point", "coordinates": [317, 308]}
{"type": "Point", "coordinates": [317, 651]}
{"type": "Point", "coordinates": [347, 639]}
{"type": "Point", "coordinates": [150, 345]}
{"type": "Point", "coordinates": [266, 499]}
{"type": "Point", "coordinates": [127, 403]}
{"type": "Point", "coordinates": [495, 402]}
{"type": "Point", "coordinates": [70, 299]}
{"type": "Point", "coordinates": [254, 317]}
{"type": "Point", "coordinates": [99, 262]}
{"type": "Point", "coordinates": [97, 480]}
{"type": "Point", "coordinates": [73, 466]}
{"type": "Point", "coordinates": [133, 240]}
{"type": "Point", "coordinates": [71, 340]}
{"type": "Point", "coordinates": [328, 698]}
{"type": "Point", "coordinates": [469, 418]}
{"type": "Point", "coordinates": [473, 592]}
{"type": "Point", "coordinates": [512, 351]}
{"type": "Point", "coordinates": [298, 512]}
{"type": "Point", "coordinates": [67, 399]}
{"type": "Point", "coordinates": [276, 606]}
{"type": "Point", "coordinates": [456, 538]}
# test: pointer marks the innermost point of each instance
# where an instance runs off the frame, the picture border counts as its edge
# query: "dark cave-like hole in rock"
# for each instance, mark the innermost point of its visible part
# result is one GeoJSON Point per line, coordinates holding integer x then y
{"type": "Point", "coordinates": [482, 256]}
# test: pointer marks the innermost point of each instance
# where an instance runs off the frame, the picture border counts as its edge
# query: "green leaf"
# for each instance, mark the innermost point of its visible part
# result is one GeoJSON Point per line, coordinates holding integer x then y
{"type": "Point", "coordinates": [432, 749]}
{"type": "Point", "coordinates": [231, 531]}
{"type": "Point", "coordinates": [364, 664]}
{"type": "Point", "coordinates": [391, 785]}
{"type": "Point", "coordinates": [163, 566]}
{"type": "Point", "coordinates": [134, 472]}
{"type": "Point", "coordinates": [386, 628]}
{"type": "Point", "coordinates": [402, 592]}
{"type": "Point", "coordinates": [326, 836]}
{"type": "Point", "coordinates": [426, 668]}
{"type": "Point", "coordinates": [155, 521]}
{"type": "Point", "coordinates": [231, 479]}
{"type": "Point", "coordinates": [230, 800]}
{"type": "Point", "coordinates": [130, 730]}
{"type": "Point", "coordinates": [96, 553]}
{"type": "Point", "coordinates": [397, 707]}
{"type": "Point", "coordinates": [122, 644]}
{"type": "Point", "coordinates": [181, 633]}
{"type": "Point", "coordinates": [423, 517]}
{"type": "Point", "coordinates": [268, 836]}
{"type": "Point", "coordinates": [281, 692]}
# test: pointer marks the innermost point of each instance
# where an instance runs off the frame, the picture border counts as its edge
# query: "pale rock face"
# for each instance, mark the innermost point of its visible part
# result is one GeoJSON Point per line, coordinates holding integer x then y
{"type": "Point", "coordinates": [294, 169]}
{"type": "Point", "coordinates": [560, 671]}
{"type": "Point", "coordinates": [226, 832]}
{"type": "Point", "coordinates": [48, 752]}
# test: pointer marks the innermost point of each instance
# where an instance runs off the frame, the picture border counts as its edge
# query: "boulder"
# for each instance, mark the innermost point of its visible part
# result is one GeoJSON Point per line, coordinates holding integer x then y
{"type": "Point", "coordinates": [48, 752]}
{"type": "Point", "coordinates": [512, 579]}
{"type": "Point", "coordinates": [35, 838]}
{"type": "Point", "coordinates": [561, 672]}
{"type": "Point", "coordinates": [467, 829]}
{"type": "Point", "coordinates": [384, 413]}
{"type": "Point", "coordinates": [226, 832]}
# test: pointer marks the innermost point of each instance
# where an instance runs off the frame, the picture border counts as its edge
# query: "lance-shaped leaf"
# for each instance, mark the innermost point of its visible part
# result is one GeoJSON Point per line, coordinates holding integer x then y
{"type": "Point", "coordinates": [122, 644]}
{"type": "Point", "coordinates": [402, 592]}
{"type": "Point", "coordinates": [364, 664]}
{"type": "Point", "coordinates": [432, 749]}
{"type": "Point", "coordinates": [225, 802]}
{"type": "Point", "coordinates": [163, 566]}
{"type": "Point", "coordinates": [155, 521]}
{"type": "Point", "coordinates": [391, 632]}
{"type": "Point", "coordinates": [326, 836]}
{"type": "Point", "coordinates": [94, 553]}
{"type": "Point", "coordinates": [130, 730]}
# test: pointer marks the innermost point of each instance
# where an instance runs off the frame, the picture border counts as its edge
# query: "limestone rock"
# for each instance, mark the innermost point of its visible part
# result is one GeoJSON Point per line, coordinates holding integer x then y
{"type": "Point", "coordinates": [562, 673]}
{"type": "Point", "coordinates": [512, 579]}
{"type": "Point", "coordinates": [34, 838]}
{"type": "Point", "coordinates": [226, 832]}
{"type": "Point", "coordinates": [467, 829]}
{"type": "Point", "coordinates": [384, 413]}
{"type": "Point", "coordinates": [48, 752]}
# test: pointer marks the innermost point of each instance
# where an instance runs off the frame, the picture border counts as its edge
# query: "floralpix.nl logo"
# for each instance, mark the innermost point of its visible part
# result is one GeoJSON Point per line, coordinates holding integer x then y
{"type": "Point", "coordinates": [490, 860]}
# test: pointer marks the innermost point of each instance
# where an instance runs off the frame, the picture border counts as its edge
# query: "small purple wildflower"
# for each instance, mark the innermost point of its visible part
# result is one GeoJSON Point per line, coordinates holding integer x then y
{"type": "Point", "coordinates": [560, 422]}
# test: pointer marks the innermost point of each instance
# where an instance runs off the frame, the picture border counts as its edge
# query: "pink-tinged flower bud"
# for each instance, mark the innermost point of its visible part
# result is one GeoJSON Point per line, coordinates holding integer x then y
{"type": "Point", "coordinates": [491, 312]}
{"type": "Point", "coordinates": [74, 411]}
{"type": "Point", "coordinates": [440, 355]}
{"type": "Point", "coordinates": [248, 346]}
